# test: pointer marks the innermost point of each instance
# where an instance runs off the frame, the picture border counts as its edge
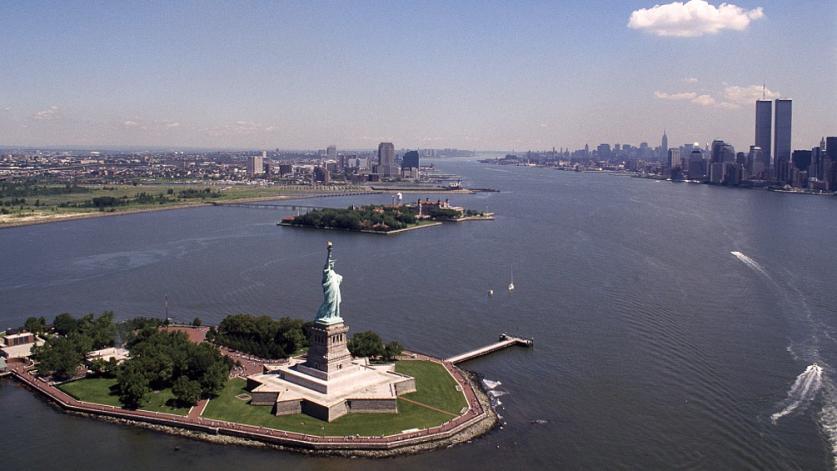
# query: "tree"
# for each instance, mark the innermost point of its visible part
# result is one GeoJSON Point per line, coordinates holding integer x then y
{"type": "Point", "coordinates": [186, 391]}
{"type": "Point", "coordinates": [133, 384]}
{"type": "Point", "coordinates": [197, 322]}
{"type": "Point", "coordinates": [366, 344]}
{"type": "Point", "coordinates": [106, 368]}
{"type": "Point", "coordinates": [64, 324]}
{"type": "Point", "coordinates": [36, 325]}
{"type": "Point", "coordinates": [59, 356]}
{"type": "Point", "coordinates": [392, 350]}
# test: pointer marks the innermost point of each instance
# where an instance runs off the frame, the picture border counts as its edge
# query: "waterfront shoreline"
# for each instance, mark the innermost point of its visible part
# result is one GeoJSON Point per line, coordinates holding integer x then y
{"type": "Point", "coordinates": [230, 433]}
{"type": "Point", "coordinates": [97, 214]}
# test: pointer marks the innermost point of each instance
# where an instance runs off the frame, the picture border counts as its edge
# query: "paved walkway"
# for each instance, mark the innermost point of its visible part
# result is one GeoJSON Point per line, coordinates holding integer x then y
{"type": "Point", "coordinates": [197, 410]}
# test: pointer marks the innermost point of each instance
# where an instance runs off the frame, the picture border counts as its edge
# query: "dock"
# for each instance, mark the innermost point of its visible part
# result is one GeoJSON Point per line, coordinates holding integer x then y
{"type": "Point", "coordinates": [505, 341]}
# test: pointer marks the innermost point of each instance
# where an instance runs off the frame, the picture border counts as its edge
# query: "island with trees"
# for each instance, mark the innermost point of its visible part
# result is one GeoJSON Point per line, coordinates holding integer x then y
{"type": "Point", "coordinates": [385, 219]}
{"type": "Point", "coordinates": [180, 377]}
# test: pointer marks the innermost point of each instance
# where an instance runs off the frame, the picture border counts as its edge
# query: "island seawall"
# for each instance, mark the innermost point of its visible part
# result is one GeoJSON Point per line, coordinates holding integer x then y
{"type": "Point", "coordinates": [478, 420]}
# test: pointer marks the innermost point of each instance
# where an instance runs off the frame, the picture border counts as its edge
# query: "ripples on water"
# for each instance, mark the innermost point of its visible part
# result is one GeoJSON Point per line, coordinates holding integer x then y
{"type": "Point", "coordinates": [655, 348]}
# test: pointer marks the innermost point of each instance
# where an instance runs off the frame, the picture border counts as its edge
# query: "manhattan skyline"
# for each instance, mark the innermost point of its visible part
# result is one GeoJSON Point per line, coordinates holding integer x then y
{"type": "Point", "coordinates": [471, 75]}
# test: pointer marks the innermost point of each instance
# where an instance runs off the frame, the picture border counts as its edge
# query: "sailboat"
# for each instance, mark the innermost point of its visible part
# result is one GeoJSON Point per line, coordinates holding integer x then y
{"type": "Point", "coordinates": [511, 281]}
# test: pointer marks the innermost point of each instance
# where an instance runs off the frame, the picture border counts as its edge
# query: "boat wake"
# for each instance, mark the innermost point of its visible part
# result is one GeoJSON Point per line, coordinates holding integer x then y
{"type": "Point", "coordinates": [802, 392]}
{"type": "Point", "coordinates": [750, 263]}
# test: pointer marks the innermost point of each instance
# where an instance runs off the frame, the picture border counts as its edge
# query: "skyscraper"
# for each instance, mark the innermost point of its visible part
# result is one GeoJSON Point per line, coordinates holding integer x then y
{"type": "Point", "coordinates": [664, 146]}
{"type": "Point", "coordinates": [757, 164]}
{"type": "Point", "coordinates": [764, 120]}
{"type": "Point", "coordinates": [386, 159]}
{"type": "Point", "coordinates": [782, 139]}
{"type": "Point", "coordinates": [331, 152]}
{"type": "Point", "coordinates": [697, 166]}
{"type": "Point", "coordinates": [673, 158]}
{"type": "Point", "coordinates": [410, 160]}
{"type": "Point", "coordinates": [255, 165]}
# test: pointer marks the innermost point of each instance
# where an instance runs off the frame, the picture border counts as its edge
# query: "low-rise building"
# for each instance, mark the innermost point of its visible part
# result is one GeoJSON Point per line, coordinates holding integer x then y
{"type": "Point", "coordinates": [107, 354]}
{"type": "Point", "coordinates": [19, 345]}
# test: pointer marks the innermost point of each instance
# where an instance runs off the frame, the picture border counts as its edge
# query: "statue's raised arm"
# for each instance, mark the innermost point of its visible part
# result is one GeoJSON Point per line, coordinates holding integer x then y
{"type": "Point", "coordinates": [329, 312]}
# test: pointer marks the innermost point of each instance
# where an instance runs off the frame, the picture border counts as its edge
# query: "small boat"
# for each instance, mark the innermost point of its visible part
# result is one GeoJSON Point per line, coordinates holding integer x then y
{"type": "Point", "coordinates": [511, 282]}
{"type": "Point", "coordinates": [491, 292]}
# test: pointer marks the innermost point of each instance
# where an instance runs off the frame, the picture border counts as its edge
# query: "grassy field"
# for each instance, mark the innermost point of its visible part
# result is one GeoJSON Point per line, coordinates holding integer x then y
{"type": "Point", "coordinates": [435, 390]}
{"type": "Point", "coordinates": [50, 206]}
{"type": "Point", "coordinates": [103, 391]}
{"type": "Point", "coordinates": [434, 386]}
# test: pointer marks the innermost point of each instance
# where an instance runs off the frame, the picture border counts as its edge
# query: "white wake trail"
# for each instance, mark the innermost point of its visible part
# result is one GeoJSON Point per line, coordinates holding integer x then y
{"type": "Point", "coordinates": [750, 263]}
{"type": "Point", "coordinates": [803, 391]}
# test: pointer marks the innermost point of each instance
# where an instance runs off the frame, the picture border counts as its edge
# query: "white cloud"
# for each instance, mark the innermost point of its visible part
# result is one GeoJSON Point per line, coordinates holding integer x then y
{"type": "Point", "coordinates": [704, 100]}
{"type": "Point", "coordinates": [543, 125]}
{"type": "Point", "coordinates": [675, 96]}
{"type": "Point", "coordinates": [49, 114]}
{"type": "Point", "coordinates": [690, 80]}
{"type": "Point", "coordinates": [747, 95]}
{"type": "Point", "coordinates": [7, 108]}
{"type": "Point", "coordinates": [693, 18]}
{"type": "Point", "coordinates": [171, 124]}
{"type": "Point", "coordinates": [130, 124]}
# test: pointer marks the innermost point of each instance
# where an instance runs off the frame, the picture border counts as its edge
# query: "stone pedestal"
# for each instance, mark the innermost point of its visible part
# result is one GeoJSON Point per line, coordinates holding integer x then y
{"type": "Point", "coordinates": [328, 354]}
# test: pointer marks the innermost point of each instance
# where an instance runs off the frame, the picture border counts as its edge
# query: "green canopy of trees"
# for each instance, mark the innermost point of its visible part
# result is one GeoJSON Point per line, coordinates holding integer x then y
{"type": "Point", "coordinates": [369, 344]}
{"type": "Point", "coordinates": [261, 336]}
{"type": "Point", "coordinates": [372, 218]}
{"type": "Point", "coordinates": [62, 354]}
{"type": "Point", "coordinates": [168, 359]}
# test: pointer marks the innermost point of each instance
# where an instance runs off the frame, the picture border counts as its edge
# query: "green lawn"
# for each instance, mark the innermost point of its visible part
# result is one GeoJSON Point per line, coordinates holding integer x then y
{"type": "Point", "coordinates": [435, 388]}
{"type": "Point", "coordinates": [103, 391]}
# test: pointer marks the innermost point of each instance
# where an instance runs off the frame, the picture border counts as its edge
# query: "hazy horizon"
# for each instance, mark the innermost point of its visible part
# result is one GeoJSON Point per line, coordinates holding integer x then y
{"type": "Point", "coordinates": [470, 75]}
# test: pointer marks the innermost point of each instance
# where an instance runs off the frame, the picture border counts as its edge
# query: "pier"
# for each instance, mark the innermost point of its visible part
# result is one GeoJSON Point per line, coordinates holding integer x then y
{"type": "Point", "coordinates": [505, 341]}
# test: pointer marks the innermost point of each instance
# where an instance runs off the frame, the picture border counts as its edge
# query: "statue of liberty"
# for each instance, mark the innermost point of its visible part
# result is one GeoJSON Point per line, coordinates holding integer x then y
{"type": "Point", "coordinates": [329, 312]}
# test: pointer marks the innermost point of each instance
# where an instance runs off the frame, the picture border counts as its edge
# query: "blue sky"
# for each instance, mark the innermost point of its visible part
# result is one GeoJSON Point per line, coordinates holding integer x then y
{"type": "Point", "coordinates": [482, 75]}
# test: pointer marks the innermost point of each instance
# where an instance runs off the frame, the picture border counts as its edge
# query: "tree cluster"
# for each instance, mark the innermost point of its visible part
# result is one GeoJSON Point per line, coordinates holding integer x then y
{"type": "Point", "coordinates": [369, 344]}
{"type": "Point", "coordinates": [32, 188]}
{"type": "Point", "coordinates": [373, 218]}
{"type": "Point", "coordinates": [168, 359]}
{"type": "Point", "coordinates": [261, 336]}
{"type": "Point", "coordinates": [62, 354]}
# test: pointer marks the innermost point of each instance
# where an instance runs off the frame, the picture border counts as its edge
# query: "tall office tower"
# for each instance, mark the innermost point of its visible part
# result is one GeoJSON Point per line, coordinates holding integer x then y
{"type": "Point", "coordinates": [386, 160]}
{"type": "Point", "coordinates": [255, 165]}
{"type": "Point", "coordinates": [664, 146]}
{"type": "Point", "coordinates": [410, 160]}
{"type": "Point", "coordinates": [697, 166]}
{"type": "Point", "coordinates": [673, 158]}
{"type": "Point", "coordinates": [817, 160]}
{"type": "Point", "coordinates": [757, 165]}
{"type": "Point", "coordinates": [830, 164]}
{"type": "Point", "coordinates": [331, 152]}
{"type": "Point", "coordinates": [782, 138]}
{"type": "Point", "coordinates": [715, 152]}
{"type": "Point", "coordinates": [764, 120]}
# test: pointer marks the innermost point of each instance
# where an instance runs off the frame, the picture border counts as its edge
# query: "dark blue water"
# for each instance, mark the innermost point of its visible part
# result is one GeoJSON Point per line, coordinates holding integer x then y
{"type": "Point", "coordinates": [655, 346]}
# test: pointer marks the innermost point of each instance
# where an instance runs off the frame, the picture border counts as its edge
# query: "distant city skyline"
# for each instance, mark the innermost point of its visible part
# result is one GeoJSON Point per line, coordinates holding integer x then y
{"type": "Point", "coordinates": [470, 75]}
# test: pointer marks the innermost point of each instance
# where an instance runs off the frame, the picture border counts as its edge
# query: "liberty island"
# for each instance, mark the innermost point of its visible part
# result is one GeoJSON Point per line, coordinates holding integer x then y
{"type": "Point", "coordinates": [418, 402]}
